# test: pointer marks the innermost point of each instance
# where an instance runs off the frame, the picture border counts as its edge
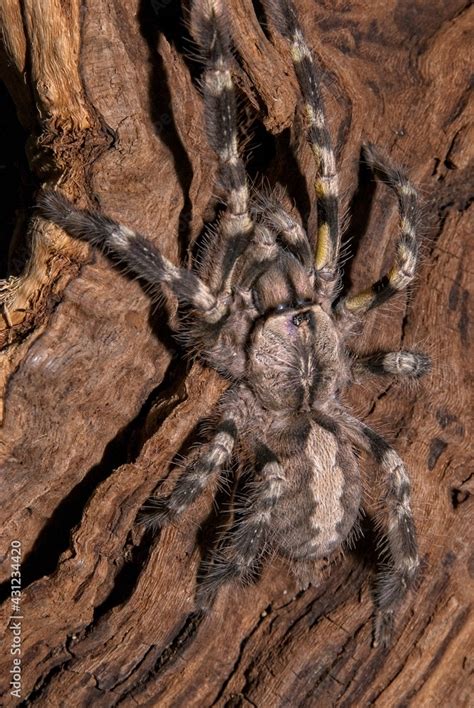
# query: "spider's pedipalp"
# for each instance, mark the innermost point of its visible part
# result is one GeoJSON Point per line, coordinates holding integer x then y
{"type": "Point", "coordinates": [328, 239]}
{"type": "Point", "coordinates": [401, 363]}
{"type": "Point", "coordinates": [130, 249]}
{"type": "Point", "coordinates": [402, 272]}
{"type": "Point", "coordinates": [267, 208]}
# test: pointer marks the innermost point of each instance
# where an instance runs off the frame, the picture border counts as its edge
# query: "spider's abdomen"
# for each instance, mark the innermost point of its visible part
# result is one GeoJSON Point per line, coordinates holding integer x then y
{"type": "Point", "coordinates": [320, 497]}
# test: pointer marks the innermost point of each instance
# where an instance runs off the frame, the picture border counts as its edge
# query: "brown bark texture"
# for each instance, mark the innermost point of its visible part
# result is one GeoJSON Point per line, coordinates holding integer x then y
{"type": "Point", "coordinates": [97, 399]}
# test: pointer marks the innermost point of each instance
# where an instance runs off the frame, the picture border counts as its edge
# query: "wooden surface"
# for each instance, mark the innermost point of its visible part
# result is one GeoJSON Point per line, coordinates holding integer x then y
{"type": "Point", "coordinates": [97, 399]}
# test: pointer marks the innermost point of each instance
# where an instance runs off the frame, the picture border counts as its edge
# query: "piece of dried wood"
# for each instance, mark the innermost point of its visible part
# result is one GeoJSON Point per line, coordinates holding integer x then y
{"type": "Point", "coordinates": [97, 400]}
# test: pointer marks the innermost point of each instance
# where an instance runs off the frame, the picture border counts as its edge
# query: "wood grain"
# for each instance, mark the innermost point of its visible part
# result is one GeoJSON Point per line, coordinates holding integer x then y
{"type": "Point", "coordinates": [98, 400]}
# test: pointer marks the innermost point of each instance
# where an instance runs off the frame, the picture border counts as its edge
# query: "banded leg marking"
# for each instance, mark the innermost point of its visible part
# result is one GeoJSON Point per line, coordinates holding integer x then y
{"type": "Point", "coordinates": [210, 27]}
{"type": "Point", "coordinates": [132, 249]}
{"type": "Point", "coordinates": [402, 363]}
{"type": "Point", "coordinates": [158, 511]}
{"type": "Point", "coordinates": [328, 240]}
{"type": "Point", "coordinates": [393, 583]}
{"type": "Point", "coordinates": [244, 543]}
{"type": "Point", "coordinates": [402, 271]}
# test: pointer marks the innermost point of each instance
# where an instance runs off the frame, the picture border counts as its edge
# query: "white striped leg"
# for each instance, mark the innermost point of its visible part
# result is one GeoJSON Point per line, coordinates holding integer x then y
{"type": "Point", "coordinates": [210, 26]}
{"type": "Point", "coordinates": [403, 269]}
{"type": "Point", "coordinates": [131, 249]}
{"type": "Point", "coordinates": [243, 545]}
{"type": "Point", "coordinates": [402, 363]}
{"type": "Point", "coordinates": [394, 581]}
{"type": "Point", "coordinates": [159, 511]}
{"type": "Point", "coordinates": [285, 19]}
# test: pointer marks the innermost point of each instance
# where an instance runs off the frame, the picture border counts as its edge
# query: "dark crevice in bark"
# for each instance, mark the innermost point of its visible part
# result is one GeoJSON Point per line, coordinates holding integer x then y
{"type": "Point", "coordinates": [125, 580]}
{"type": "Point", "coordinates": [170, 654]}
{"type": "Point", "coordinates": [380, 396]}
{"type": "Point", "coordinates": [456, 627]}
{"type": "Point", "coordinates": [261, 16]}
{"type": "Point", "coordinates": [54, 538]}
{"type": "Point", "coordinates": [35, 695]}
{"type": "Point", "coordinates": [342, 657]}
{"type": "Point", "coordinates": [243, 645]}
{"type": "Point", "coordinates": [156, 19]}
{"type": "Point", "coordinates": [16, 188]}
{"type": "Point", "coordinates": [359, 216]}
{"type": "Point", "coordinates": [329, 595]}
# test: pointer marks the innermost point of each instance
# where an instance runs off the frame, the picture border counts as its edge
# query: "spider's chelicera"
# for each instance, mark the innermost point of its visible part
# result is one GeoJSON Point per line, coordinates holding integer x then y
{"type": "Point", "coordinates": [262, 310]}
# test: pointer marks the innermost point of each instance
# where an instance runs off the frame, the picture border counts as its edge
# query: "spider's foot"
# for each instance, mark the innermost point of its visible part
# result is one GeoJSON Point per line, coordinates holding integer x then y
{"type": "Point", "coordinates": [383, 629]}
{"type": "Point", "coordinates": [208, 586]}
{"type": "Point", "coordinates": [216, 573]}
{"type": "Point", "coordinates": [155, 513]}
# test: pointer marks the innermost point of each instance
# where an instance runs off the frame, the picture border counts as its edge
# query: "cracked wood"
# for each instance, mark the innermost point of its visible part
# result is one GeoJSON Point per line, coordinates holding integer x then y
{"type": "Point", "coordinates": [97, 401]}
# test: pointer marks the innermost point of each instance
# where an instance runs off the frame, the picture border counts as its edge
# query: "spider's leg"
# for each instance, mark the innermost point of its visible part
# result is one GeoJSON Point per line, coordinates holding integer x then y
{"type": "Point", "coordinates": [401, 363]}
{"type": "Point", "coordinates": [244, 544]}
{"type": "Point", "coordinates": [131, 249]}
{"type": "Point", "coordinates": [394, 581]}
{"type": "Point", "coordinates": [328, 241]}
{"type": "Point", "coordinates": [211, 29]}
{"type": "Point", "coordinates": [159, 511]}
{"type": "Point", "coordinates": [402, 271]}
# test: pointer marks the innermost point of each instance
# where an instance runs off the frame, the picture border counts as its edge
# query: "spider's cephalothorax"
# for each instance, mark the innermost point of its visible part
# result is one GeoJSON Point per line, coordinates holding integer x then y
{"type": "Point", "coordinates": [261, 309]}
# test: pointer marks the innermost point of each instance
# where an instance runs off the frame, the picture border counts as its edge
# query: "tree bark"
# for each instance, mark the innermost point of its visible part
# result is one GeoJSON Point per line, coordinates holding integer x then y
{"type": "Point", "coordinates": [98, 400]}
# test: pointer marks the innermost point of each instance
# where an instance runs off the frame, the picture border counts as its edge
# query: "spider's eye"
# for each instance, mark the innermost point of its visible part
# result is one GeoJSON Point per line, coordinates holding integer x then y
{"type": "Point", "coordinates": [280, 307]}
{"type": "Point", "coordinates": [301, 317]}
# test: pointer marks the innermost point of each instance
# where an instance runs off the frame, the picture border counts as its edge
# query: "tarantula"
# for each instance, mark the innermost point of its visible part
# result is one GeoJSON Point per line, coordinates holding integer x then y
{"type": "Point", "coordinates": [267, 313]}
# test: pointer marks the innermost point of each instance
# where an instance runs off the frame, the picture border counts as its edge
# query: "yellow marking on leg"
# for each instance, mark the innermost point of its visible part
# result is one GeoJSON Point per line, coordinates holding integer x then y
{"type": "Point", "coordinates": [362, 301]}
{"type": "Point", "coordinates": [326, 187]}
{"type": "Point", "coordinates": [322, 246]}
{"type": "Point", "coordinates": [299, 49]}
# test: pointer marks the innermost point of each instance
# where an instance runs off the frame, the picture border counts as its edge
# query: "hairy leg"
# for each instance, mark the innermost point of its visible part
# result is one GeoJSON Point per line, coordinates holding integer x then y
{"type": "Point", "coordinates": [268, 210]}
{"type": "Point", "coordinates": [243, 545]}
{"type": "Point", "coordinates": [159, 511]}
{"type": "Point", "coordinates": [210, 26]}
{"type": "Point", "coordinates": [402, 272]}
{"type": "Point", "coordinates": [398, 525]}
{"type": "Point", "coordinates": [237, 409]}
{"type": "Point", "coordinates": [401, 363]}
{"type": "Point", "coordinates": [328, 240]}
{"type": "Point", "coordinates": [257, 258]}
{"type": "Point", "coordinates": [132, 250]}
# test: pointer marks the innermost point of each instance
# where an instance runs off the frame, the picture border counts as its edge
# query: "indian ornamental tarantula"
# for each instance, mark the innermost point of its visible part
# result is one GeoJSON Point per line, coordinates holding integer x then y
{"type": "Point", "coordinates": [267, 313]}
